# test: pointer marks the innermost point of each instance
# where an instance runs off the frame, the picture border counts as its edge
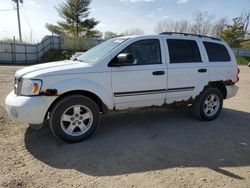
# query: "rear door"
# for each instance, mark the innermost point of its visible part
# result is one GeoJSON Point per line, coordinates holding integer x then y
{"type": "Point", "coordinates": [187, 69]}
{"type": "Point", "coordinates": [222, 64]}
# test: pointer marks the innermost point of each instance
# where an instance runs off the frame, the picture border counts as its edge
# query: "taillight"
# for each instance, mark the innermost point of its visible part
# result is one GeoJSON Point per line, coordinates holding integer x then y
{"type": "Point", "coordinates": [238, 75]}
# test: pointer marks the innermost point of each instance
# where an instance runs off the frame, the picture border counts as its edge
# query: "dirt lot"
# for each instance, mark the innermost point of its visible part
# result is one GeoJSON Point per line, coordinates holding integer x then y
{"type": "Point", "coordinates": [161, 148]}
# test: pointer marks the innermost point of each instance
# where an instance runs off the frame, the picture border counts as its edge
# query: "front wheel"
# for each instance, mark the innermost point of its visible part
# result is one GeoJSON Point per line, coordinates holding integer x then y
{"type": "Point", "coordinates": [209, 104]}
{"type": "Point", "coordinates": [74, 118]}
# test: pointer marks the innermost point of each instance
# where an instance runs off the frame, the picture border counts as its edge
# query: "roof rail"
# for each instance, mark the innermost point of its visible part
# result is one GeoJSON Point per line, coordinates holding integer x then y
{"type": "Point", "coordinates": [189, 34]}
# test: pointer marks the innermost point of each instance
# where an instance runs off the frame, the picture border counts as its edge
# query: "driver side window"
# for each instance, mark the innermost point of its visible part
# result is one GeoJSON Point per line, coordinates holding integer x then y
{"type": "Point", "coordinates": [145, 52]}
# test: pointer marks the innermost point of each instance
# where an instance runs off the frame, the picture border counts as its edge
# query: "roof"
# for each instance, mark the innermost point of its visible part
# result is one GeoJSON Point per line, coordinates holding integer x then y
{"type": "Point", "coordinates": [186, 35]}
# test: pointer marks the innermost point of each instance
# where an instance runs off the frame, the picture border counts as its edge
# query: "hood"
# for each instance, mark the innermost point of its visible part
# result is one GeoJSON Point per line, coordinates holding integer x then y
{"type": "Point", "coordinates": [53, 68]}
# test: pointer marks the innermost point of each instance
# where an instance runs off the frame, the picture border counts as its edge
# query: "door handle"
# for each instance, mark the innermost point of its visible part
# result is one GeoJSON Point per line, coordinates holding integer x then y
{"type": "Point", "coordinates": [158, 73]}
{"type": "Point", "coordinates": [202, 70]}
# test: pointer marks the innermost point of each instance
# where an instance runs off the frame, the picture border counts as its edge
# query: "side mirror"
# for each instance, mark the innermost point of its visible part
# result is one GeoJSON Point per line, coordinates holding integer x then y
{"type": "Point", "coordinates": [125, 59]}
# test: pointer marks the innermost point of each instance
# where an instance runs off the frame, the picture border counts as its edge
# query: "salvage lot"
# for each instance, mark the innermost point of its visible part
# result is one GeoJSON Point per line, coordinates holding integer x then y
{"type": "Point", "coordinates": [161, 148]}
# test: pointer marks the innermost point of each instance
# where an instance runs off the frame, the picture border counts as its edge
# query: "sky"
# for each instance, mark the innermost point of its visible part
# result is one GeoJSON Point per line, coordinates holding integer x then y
{"type": "Point", "coordinates": [114, 15]}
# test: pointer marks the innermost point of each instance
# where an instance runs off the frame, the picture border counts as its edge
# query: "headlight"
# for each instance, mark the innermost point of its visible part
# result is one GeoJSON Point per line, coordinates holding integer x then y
{"type": "Point", "coordinates": [30, 87]}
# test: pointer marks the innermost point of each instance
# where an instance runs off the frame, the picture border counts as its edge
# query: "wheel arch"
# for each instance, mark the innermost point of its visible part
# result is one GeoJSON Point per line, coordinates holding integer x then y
{"type": "Point", "coordinates": [102, 107]}
{"type": "Point", "coordinates": [221, 86]}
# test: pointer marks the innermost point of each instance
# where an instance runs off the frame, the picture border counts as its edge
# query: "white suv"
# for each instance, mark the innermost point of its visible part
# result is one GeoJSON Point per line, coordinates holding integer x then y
{"type": "Point", "coordinates": [124, 73]}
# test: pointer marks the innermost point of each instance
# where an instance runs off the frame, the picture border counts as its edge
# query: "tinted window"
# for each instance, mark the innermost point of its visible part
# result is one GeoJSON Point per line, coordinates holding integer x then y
{"type": "Point", "coordinates": [216, 52]}
{"type": "Point", "coordinates": [183, 51]}
{"type": "Point", "coordinates": [145, 52]}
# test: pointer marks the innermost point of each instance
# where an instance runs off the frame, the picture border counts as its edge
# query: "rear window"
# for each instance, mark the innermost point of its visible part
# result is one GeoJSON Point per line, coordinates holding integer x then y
{"type": "Point", "coordinates": [216, 52]}
{"type": "Point", "coordinates": [183, 51]}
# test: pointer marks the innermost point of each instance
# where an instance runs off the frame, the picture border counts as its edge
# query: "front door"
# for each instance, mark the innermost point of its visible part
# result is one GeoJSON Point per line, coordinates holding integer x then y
{"type": "Point", "coordinates": [142, 83]}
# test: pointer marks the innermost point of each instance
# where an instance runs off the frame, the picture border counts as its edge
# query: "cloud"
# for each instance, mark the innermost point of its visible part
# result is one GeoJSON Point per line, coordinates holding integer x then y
{"type": "Point", "coordinates": [33, 3]}
{"type": "Point", "coordinates": [150, 15]}
{"type": "Point", "coordinates": [182, 1]}
{"type": "Point", "coordinates": [134, 1]}
{"type": "Point", "coordinates": [158, 9]}
{"type": "Point", "coordinates": [146, 1]}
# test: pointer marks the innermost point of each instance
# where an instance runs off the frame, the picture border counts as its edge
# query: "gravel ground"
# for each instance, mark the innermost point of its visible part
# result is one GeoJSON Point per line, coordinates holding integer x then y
{"type": "Point", "coordinates": [152, 148]}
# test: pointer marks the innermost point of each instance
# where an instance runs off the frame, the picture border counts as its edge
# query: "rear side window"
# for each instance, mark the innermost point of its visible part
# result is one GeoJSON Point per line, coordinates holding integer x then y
{"type": "Point", "coordinates": [183, 51]}
{"type": "Point", "coordinates": [216, 52]}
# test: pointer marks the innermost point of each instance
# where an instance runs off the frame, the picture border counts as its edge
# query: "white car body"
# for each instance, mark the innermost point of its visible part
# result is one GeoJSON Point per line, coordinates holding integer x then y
{"type": "Point", "coordinates": [120, 88]}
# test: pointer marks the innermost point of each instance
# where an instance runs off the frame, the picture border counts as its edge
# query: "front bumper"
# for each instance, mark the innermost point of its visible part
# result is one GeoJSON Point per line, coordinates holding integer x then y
{"type": "Point", "coordinates": [232, 91]}
{"type": "Point", "coordinates": [24, 109]}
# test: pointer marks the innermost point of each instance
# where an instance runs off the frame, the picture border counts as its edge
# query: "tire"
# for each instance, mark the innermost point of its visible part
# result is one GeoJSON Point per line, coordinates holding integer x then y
{"type": "Point", "coordinates": [74, 118]}
{"type": "Point", "coordinates": [209, 104]}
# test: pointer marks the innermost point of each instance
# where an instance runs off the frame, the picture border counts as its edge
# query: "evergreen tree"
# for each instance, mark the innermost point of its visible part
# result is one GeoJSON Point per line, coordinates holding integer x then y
{"type": "Point", "coordinates": [233, 34]}
{"type": "Point", "coordinates": [75, 21]}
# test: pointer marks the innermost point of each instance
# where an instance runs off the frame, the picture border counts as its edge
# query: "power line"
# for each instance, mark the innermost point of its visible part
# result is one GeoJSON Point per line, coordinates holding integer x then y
{"type": "Point", "coordinates": [26, 17]}
{"type": "Point", "coordinates": [7, 9]}
{"type": "Point", "coordinates": [28, 22]}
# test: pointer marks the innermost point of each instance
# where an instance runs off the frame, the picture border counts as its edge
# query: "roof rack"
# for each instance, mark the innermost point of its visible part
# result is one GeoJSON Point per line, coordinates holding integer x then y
{"type": "Point", "coordinates": [189, 34]}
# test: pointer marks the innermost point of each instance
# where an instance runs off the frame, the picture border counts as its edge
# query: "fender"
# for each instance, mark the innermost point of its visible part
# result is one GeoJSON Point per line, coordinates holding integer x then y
{"type": "Point", "coordinates": [229, 75]}
{"type": "Point", "coordinates": [215, 77]}
{"type": "Point", "coordinates": [73, 84]}
{"type": "Point", "coordinates": [205, 81]}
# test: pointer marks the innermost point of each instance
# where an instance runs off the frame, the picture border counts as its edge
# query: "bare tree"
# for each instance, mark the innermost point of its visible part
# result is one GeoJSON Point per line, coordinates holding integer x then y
{"type": "Point", "coordinates": [168, 25]}
{"type": "Point", "coordinates": [183, 26]}
{"type": "Point", "coordinates": [202, 23]}
{"type": "Point", "coordinates": [218, 27]}
{"type": "Point", "coordinates": [109, 35]}
{"type": "Point", "coordinates": [164, 26]}
{"type": "Point", "coordinates": [133, 31]}
{"type": "Point", "coordinates": [244, 21]}
{"type": "Point", "coordinates": [245, 16]}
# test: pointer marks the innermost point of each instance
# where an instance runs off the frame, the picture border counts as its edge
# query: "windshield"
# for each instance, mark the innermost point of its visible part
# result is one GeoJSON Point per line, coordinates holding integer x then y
{"type": "Point", "coordinates": [100, 51]}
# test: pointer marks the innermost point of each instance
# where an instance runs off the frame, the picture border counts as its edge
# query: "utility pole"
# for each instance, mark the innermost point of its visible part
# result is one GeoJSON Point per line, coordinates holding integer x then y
{"type": "Point", "coordinates": [18, 18]}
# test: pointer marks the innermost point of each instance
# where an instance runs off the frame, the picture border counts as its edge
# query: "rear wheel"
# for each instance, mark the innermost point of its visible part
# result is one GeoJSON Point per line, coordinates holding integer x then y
{"type": "Point", "coordinates": [74, 118]}
{"type": "Point", "coordinates": [209, 104]}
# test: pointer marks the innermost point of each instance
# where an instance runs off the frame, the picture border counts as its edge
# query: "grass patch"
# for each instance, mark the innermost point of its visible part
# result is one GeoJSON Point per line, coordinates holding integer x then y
{"type": "Point", "coordinates": [243, 60]}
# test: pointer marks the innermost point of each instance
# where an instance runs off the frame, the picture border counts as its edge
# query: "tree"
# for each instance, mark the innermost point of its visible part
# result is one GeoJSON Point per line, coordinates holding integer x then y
{"type": "Point", "coordinates": [54, 29]}
{"type": "Point", "coordinates": [133, 31]}
{"type": "Point", "coordinates": [167, 25]}
{"type": "Point", "coordinates": [202, 23]}
{"type": "Point", "coordinates": [233, 34]}
{"type": "Point", "coordinates": [94, 34]}
{"type": "Point", "coordinates": [219, 27]}
{"type": "Point", "coordinates": [243, 20]}
{"type": "Point", "coordinates": [109, 35]}
{"type": "Point", "coordinates": [182, 26]}
{"type": "Point", "coordinates": [75, 20]}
